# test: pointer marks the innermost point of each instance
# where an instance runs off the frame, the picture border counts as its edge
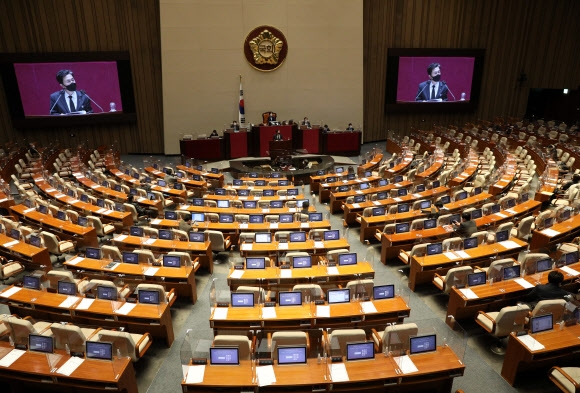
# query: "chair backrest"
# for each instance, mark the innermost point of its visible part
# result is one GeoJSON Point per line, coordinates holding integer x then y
{"type": "Point", "coordinates": [70, 335]}
{"type": "Point", "coordinates": [152, 287]}
{"type": "Point", "coordinates": [145, 255]}
{"type": "Point", "coordinates": [552, 306]}
{"type": "Point", "coordinates": [185, 257]}
{"type": "Point", "coordinates": [97, 224]}
{"type": "Point", "coordinates": [481, 236]}
{"type": "Point", "coordinates": [361, 288]}
{"type": "Point", "coordinates": [50, 242]}
{"type": "Point", "coordinates": [242, 342]}
{"type": "Point", "coordinates": [259, 293]}
{"type": "Point", "coordinates": [396, 337]}
{"type": "Point", "coordinates": [312, 290]}
{"type": "Point", "coordinates": [247, 237]}
{"type": "Point", "coordinates": [531, 258]}
{"type": "Point", "coordinates": [333, 254]}
{"type": "Point", "coordinates": [123, 342]}
{"type": "Point", "coordinates": [216, 239]}
{"type": "Point", "coordinates": [453, 243]}
{"type": "Point", "coordinates": [288, 338]}
{"type": "Point", "coordinates": [338, 339]}
{"type": "Point", "coordinates": [525, 227]}
{"type": "Point", "coordinates": [456, 276]}
{"type": "Point", "coordinates": [20, 329]}
{"type": "Point", "coordinates": [111, 252]}
{"type": "Point", "coordinates": [510, 319]}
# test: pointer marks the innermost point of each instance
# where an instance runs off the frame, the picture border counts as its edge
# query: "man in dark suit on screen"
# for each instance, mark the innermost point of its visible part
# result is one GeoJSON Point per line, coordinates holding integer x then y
{"type": "Point", "coordinates": [69, 100]}
{"type": "Point", "coordinates": [433, 89]}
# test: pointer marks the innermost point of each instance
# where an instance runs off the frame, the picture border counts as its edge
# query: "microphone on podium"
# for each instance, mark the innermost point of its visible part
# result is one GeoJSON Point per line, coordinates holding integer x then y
{"type": "Point", "coordinates": [60, 93]}
{"type": "Point", "coordinates": [445, 83]}
{"type": "Point", "coordinates": [82, 91]}
{"type": "Point", "coordinates": [421, 92]}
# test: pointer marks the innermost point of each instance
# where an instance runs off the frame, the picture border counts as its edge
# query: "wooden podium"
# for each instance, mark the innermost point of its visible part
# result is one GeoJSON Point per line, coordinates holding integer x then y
{"type": "Point", "coordinates": [280, 150]}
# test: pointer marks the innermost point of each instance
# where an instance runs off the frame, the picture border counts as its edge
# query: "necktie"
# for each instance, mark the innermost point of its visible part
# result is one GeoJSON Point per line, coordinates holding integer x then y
{"type": "Point", "coordinates": [72, 104]}
{"type": "Point", "coordinates": [433, 93]}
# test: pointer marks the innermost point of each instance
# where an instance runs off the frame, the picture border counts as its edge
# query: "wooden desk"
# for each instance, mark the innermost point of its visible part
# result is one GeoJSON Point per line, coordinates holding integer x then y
{"type": "Point", "coordinates": [143, 318]}
{"type": "Point", "coordinates": [370, 165]}
{"type": "Point", "coordinates": [344, 315]}
{"type": "Point", "coordinates": [325, 189]}
{"type": "Point", "coordinates": [262, 135]}
{"type": "Point", "coordinates": [66, 230]}
{"type": "Point", "coordinates": [436, 372]}
{"type": "Point", "coordinates": [407, 159]}
{"type": "Point", "coordinates": [181, 279]}
{"type": "Point", "coordinates": [207, 175]}
{"type": "Point", "coordinates": [558, 233]}
{"type": "Point", "coordinates": [6, 201]}
{"type": "Point", "coordinates": [345, 143]}
{"type": "Point", "coordinates": [31, 372]}
{"type": "Point", "coordinates": [337, 199]}
{"type": "Point", "coordinates": [309, 246]}
{"type": "Point", "coordinates": [200, 250]}
{"type": "Point", "coordinates": [106, 215]}
{"type": "Point", "coordinates": [203, 149]}
{"type": "Point", "coordinates": [180, 194]}
{"type": "Point", "coordinates": [276, 279]}
{"type": "Point", "coordinates": [31, 257]}
{"type": "Point", "coordinates": [560, 346]}
{"type": "Point", "coordinates": [236, 144]}
{"type": "Point", "coordinates": [433, 169]}
{"type": "Point", "coordinates": [307, 139]}
{"type": "Point", "coordinates": [468, 172]}
{"type": "Point", "coordinates": [423, 269]}
{"type": "Point", "coordinates": [316, 181]}
{"type": "Point", "coordinates": [548, 182]}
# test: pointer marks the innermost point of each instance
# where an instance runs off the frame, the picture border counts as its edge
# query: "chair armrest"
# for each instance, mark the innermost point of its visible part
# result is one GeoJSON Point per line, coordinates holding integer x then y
{"type": "Point", "coordinates": [169, 294]}
{"type": "Point", "coordinates": [253, 345]}
{"type": "Point", "coordinates": [376, 335]}
{"type": "Point", "coordinates": [138, 344]}
{"type": "Point", "coordinates": [442, 279]}
{"type": "Point", "coordinates": [227, 242]}
{"type": "Point", "coordinates": [270, 341]}
{"type": "Point", "coordinates": [488, 317]}
{"type": "Point", "coordinates": [479, 268]}
{"type": "Point", "coordinates": [569, 378]}
{"type": "Point", "coordinates": [325, 343]}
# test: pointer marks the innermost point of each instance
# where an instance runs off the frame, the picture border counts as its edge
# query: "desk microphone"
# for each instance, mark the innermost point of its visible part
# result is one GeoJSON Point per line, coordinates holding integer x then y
{"type": "Point", "coordinates": [445, 84]}
{"type": "Point", "coordinates": [82, 91]}
{"type": "Point", "coordinates": [60, 93]}
{"type": "Point", "coordinates": [421, 91]}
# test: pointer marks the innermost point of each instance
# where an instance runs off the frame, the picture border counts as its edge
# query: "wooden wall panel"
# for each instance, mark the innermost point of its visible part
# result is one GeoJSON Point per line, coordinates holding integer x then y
{"type": "Point", "coordinates": [537, 37]}
{"type": "Point", "coordinates": [38, 26]}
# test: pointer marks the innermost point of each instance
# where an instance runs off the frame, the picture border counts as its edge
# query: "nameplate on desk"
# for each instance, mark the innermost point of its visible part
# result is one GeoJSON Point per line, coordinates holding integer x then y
{"type": "Point", "coordinates": [10, 291]}
{"type": "Point", "coordinates": [220, 313]}
{"type": "Point", "coordinates": [69, 302]}
{"type": "Point", "coordinates": [70, 366]}
{"type": "Point", "coordinates": [246, 247]}
{"type": "Point", "coordinates": [468, 293]}
{"type": "Point", "coordinates": [151, 271]}
{"type": "Point", "coordinates": [120, 238]}
{"type": "Point", "coordinates": [569, 271]}
{"type": "Point", "coordinates": [85, 304]}
{"type": "Point", "coordinates": [509, 244]}
{"type": "Point", "coordinates": [156, 221]}
{"type": "Point", "coordinates": [11, 357]}
{"type": "Point", "coordinates": [550, 232]}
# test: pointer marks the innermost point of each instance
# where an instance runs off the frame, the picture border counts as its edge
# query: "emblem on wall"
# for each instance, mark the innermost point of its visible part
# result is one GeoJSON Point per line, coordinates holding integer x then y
{"type": "Point", "coordinates": [265, 48]}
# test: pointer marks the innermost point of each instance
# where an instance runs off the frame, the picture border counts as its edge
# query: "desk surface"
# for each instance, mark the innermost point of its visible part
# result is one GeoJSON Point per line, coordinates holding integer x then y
{"type": "Point", "coordinates": [32, 257]}
{"type": "Point", "coordinates": [557, 233]}
{"type": "Point", "coordinates": [310, 246]}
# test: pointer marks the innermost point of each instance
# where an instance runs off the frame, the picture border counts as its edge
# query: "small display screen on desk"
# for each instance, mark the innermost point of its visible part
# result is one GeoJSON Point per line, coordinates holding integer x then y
{"type": "Point", "coordinates": [331, 235]}
{"type": "Point", "coordinates": [99, 350]}
{"type": "Point", "coordinates": [422, 344]}
{"type": "Point", "coordinates": [381, 292]}
{"type": "Point", "coordinates": [39, 343]}
{"type": "Point", "coordinates": [302, 262]}
{"type": "Point", "coordinates": [291, 355]}
{"type": "Point", "coordinates": [171, 261]}
{"type": "Point", "coordinates": [224, 356]}
{"type": "Point", "coordinates": [255, 263]}
{"type": "Point", "coordinates": [290, 298]}
{"type": "Point", "coordinates": [360, 351]}
{"type": "Point", "coordinates": [130, 257]}
{"type": "Point", "coordinates": [296, 237]}
{"type": "Point", "coordinates": [31, 282]}
{"type": "Point", "coordinates": [148, 296]}
{"type": "Point", "coordinates": [242, 299]}
{"type": "Point", "coordinates": [338, 296]}
{"type": "Point", "coordinates": [67, 288]}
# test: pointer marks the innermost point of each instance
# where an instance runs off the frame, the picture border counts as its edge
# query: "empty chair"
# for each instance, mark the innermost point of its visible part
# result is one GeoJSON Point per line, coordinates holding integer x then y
{"type": "Point", "coordinates": [282, 236]}
{"type": "Point", "coordinates": [418, 250]}
{"type": "Point", "coordinates": [456, 276]}
{"type": "Point", "coordinates": [72, 215]}
{"type": "Point", "coordinates": [122, 292]}
{"type": "Point", "coordinates": [212, 217]}
{"type": "Point", "coordinates": [145, 256]}
{"type": "Point", "coordinates": [288, 338]}
{"type": "Point", "coordinates": [291, 255]}
{"type": "Point", "coordinates": [494, 268]}
{"type": "Point", "coordinates": [72, 336]}
{"type": "Point", "coordinates": [165, 201]}
{"type": "Point", "coordinates": [271, 218]}
{"type": "Point", "coordinates": [101, 229]}
{"type": "Point", "coordinates": [245, 345]}
{"type": "Point", "coordinates": [481, 237]}
{"type": "Point", "coordinates": [360, 288]}
{"type": "Point", "coordinates": [260, 295]}
{"type": "Point", "coordinates": [530, 258]}
{"type": "Point", "coordinates": [185, 259]}
{"type": "Point", "coordinates": [332, 256]}
{"type": "Point", "coordinates": [552, 306]}
{"type": "Point", "coordinates": [247, 237]}
{"type": "Point", "coordinates": [54, 276]}
{"type": "Point", "coordinates": [127, 344]}
{"type": "Point", "coordinates": [180, 235]}
{"type": "Point", "coordinates": [453, 243]}
{"type": "Point", "coordinates": [164, 297]}
{"type": "Point", "coordinates": [111, 252]}
{"type": "Point", "coordinates": [501, 323]}
{"type": "Point", "coordinates": [150, 232]}
{"type": "Point", "coordinates": [9, 269]}
{"type": "Point", "coordinates": [312, 290]}
{"type": "Point", "coordinates": [336, 341]}
{"type": "Point", "coordinates": [506, 226]}
{"type": "Point", "coordinates": [21, 328]}
{"type": "Point", "coordinates": [217, 240]}
{"type": "Point", "coordinates": [394, 337]}
{"type": "Point", "coordinates": [567, 379]}
{"type": "Point", "coordinates": [524, 229]}
{"type": "Point", "coordinates": [55, 246]}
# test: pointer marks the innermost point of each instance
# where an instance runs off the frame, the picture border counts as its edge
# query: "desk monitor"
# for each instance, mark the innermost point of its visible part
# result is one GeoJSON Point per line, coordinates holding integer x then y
{"type": "Point", "coordinates": [331, 179]}
{"type": "Point", "coordinates": [378, 211]}
{"type": "Point", "coordinates": [470, 242]}
{"type": "Point", "coordinates": [196, 237]}
{"type": "Point", "coordinates": [425, 205]}
{"type": "Point", "coordinates": [223, 203]}
{"type": "Point", "coordinates": [31, 282]}
{"type": "Point", "coordinates": [421, 344]}
{"type": "Point", "coordinates": [541, 323]}
{"type": "Point", "coordinates": [474, 279]}
{"type": "Point", "coordinates": [99, 350]}
{"type": "Point", "coordinates": [151, 196]}
{"type": "Point", "coordinates": [360, 351]}
{"type": "Point", "coordinates": [292, 192]}
{"type": "Point", "coordinates": [282, 183]}
{"type": "Point", "coordinates": [286, 217]}
{"type": "Point", "coordinates": [249, 204]}
{"type": "Point", "coordinates": [455, 218]}
{"type": "Point", "coordinates": [293, 298]}
{"type": "Point", "coordinates": [300, 202]}
{"type": "Point", "coordinates": [148, 296]}
{"type": "Point", "coordinates": [297, 237]}
{"type": "Point", "coordinates": [331, 235]}
{"type": "Point", "coordinates": [14, 234]}
{"type": "Point", "coordinates": [171, 260]}
{"type": "Point", "coordinates": [243, 193]}
{"type": "Point", "coordinates": [475, 214]}
{"type": "Point", "coordinates": [445, 199]}
{"type": "Point", "coordinates": [161, 183]}
{"type": "Point", "coordinates": [165, 234]}
{"type": "Point", "coordinates": [179, 176]}
{"type": "Point", "coordinates": [345, 259]}
{"type": "Point", "coordinates": [402, 227]}
{"type": "Point", "coordinates": [130, 257]}
{"type": "Point", "coordinates": [85, 198]}
{"type": "Point", "coordinates": [320, 172]}
{"type": "Point", "coordinates": [391, 164]}
{"type": "Point", "coordinates": [477, 190]}
{"type": "Point", "coordinates": [383, 292]}
{"type": "Point", "coordinates": [255, 263]}
{"type": "Point", "coordinates": [510, 203]}
{"type": "Point", "coordinates": [135, 231]}
{"type": "Point", "coordinates": [402, 192]}
{"type": "Point", "coordinates": [301, 262]}
{"type": "Point", "coordinates": [524, 197]}
{"type": "Point", "coordinates": [510, 272]}
{"type": "Point", "coordinates": [198, 217]}
{"type": "Point", "coordinates": [368, 173]}
{"type": "Point", "coordinates": [420, 188]}
{"type": "Point", "coordinates": [263, 237]}
{"type": "Point", "coordinates": [253, 175]}
{"type": "Point", "coordinates": [178, 186]}
{"type": "Point", "coordinates": [83, 221]}
{"type": "Point", "coordinates": [364, 186]}
{"type": "Point", "coordinates": [430, 223]}
{"type": "Point", "coordinates": [291, 354]}
{"type": "Point", "coordinates": [43, 209]}
{"type": "Point", "coordinates": [106, 293]}
{"type": "Point", "coordinates": [351, 176]}
{"type": "Point", "coordinates": [339, 169]}
{"type": "Point", "coordinates": [571, 257]}
{"type": "Point", "coordinates": [268, 193]}
{"type": "Point", "coordinates": [343, 188]}
{"type": "Point", "coordinates": [436, 184]}
{"type": "Point", "coordinates": [501, 236]}
{"type": "Point", "coordinates": [359, 198]}
{"type": "Point", "coordinates": [260, 183]}
{"type": "Point", "coordinates": [101, 202]}
{"type": "Point", "coordinates": [119, 207]}
{"type": "Point", "coordinates": [238, 182]}
{"type": "Point", "coordinates": [338, 296]}
{"type": "Point", "coordinates": [276, 175]}
{"type": "Point", "coordinates": [93, 253]}
{"type": "Point", "coordinates": [434, 248]}
{"type": "Point", "coordinates": [242, 299]}
{"type": "Point", "coordinates": [215, 171]}
{"type": "Point", "coordinates": [226, 218]}
{"type": "Point", "coordinates": [461, 196]}
{"type": "Point", "coordinates": [382, 195]}
{"type": "Point", "coordinates": [39, 343]}
{"type": "Point", "coordinates": [170, 215]}
{"type": "Point", "coordinates": [132, 191]}
{"type": "Point", "coordinates": [383, 182]}
{"type": "Point", "coordinates": [35, 241]}
{"type": "Point", "coordinates": [564, 214]}
{"type": "Point", "coordinates": [402, 208]}
{"type": "Point", "coordinates": [28, 203]}
{"type": "Point", "coordinates": [548, 222]}
{"type": "Point", "coordinates": [197, 202]}
{"type": "Point", "coordinates": [314, 216]}
{"type": "Point", "coordinates": [256, 218]}
{"type": "Point", "coordinates": [276, 204]}
{"type": "Point", "coordinates": [66, 288]}
{"type": "Point", "coordinates": [146, 180]}
{"type": "Point", "coordinates": [398, 178]}
{"type": "Point", "coordinates": [543, 265]}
